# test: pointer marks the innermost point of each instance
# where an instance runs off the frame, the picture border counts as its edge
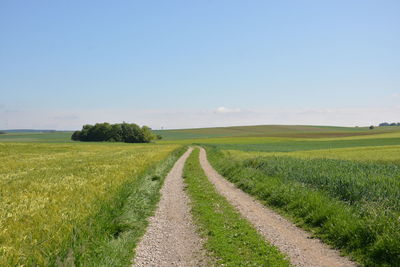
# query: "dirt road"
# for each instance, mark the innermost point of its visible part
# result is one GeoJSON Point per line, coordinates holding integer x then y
{"type": "Point", "coordinates": [301, 249]}
{"type": "Point", "coordinates": [171, 238]}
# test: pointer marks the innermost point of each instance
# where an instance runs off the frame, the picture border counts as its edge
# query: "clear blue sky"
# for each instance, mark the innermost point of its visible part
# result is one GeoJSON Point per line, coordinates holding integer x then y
{"type": "Point", "coordinates": [198, 63]}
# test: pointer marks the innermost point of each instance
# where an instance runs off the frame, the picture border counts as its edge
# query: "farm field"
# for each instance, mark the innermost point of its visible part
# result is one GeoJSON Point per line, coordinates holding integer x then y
{"type": "Point", "coordinates": [296, 131]}
{"type": "Point", "coordinates": [87, 203]}
{"type": "Point", "coordinates": [378, 154]}
{"type": "Point", "coordinates": [64, 203]}
{"type": "Point", "coordinates": [287, 144]}
{"type": "Point", "coordinates": [37, 137]}
{"type": "Point", "coordinates": [282, 145]}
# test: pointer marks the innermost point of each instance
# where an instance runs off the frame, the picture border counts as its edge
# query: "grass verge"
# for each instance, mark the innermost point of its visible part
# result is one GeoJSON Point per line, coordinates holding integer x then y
{"type": "Point", "coordinates": [231, 240]}
{"type": "Point", "coordinates": [366, 230]}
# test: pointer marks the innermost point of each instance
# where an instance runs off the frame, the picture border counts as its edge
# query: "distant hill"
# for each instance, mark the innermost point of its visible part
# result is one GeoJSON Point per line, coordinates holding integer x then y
{"type": "Point", "coordinates": [304, 131]}
{"type": "Point", "coordinates": [42, 136]}
{"type": "Point", "coordinates": [301, 131]}
{"type": "Point", "coordinates": [29, 131]}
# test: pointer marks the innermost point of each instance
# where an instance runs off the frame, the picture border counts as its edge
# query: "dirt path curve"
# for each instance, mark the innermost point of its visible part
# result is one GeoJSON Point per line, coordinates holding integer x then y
{"type": "Point", "coordinates": [171, 238]}
{"type": "Point", "coordinates": [294, 242]}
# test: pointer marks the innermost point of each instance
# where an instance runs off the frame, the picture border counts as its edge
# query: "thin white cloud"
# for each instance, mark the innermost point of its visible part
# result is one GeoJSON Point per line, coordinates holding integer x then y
{"type": "Point", "coordinates": [396, 95]}
{"type": "Point", "coordinates": [225, 110]}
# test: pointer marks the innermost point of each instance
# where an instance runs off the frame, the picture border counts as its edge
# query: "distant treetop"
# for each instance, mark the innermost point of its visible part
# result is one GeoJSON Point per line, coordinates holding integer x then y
{"type": "Point", "coordinates": [389, 124]}
{"type": "Point", "coordinates": [119, 132]}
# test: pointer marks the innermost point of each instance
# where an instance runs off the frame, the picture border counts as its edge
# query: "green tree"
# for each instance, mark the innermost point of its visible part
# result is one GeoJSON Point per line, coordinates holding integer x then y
{"type": "Point", "coordinates": [123, 132]}
{"type": "Point", "coordinates": [147, 134]}
{"type": "Point", "coordinates": [84, 136]}
{"type": "Point", "coordinates": [116, 133]}
{"type": "Point", "coordinates": [76, 136]}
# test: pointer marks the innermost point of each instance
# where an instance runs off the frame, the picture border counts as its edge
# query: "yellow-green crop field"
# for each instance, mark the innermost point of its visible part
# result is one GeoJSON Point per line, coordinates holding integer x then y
{"type": "Point", "coordinates": [48, 190]}
{"type": "Point", "coordinates": [383, 154]}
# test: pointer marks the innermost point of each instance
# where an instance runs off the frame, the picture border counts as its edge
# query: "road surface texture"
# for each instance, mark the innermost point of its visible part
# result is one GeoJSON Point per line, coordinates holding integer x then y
{"type": "Point", "coordinates": [171, 238]}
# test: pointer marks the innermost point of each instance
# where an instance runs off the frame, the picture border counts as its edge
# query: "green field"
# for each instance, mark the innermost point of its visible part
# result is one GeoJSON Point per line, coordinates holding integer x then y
{"type": "Point", "coordinates": [381, 154]}
{"type": "Point", "coordinates": [303, 145]}
{"type": "Point", "coordinates": [296, 131]}
{"type": "Point", "coordinates": [259, 133]}
{"type": "Point", "coordinates": [60, 201]}
{"type": "Point", "coordinates": [37, 137]}
{"type": "Point", "coordinates": [64, 202]}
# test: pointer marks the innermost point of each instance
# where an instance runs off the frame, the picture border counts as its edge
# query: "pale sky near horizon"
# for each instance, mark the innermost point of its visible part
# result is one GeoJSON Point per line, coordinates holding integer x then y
{"type": "Point", "coordinates": [183, 64]}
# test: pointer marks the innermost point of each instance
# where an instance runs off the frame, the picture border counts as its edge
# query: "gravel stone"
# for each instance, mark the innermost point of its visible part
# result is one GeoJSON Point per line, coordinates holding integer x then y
{"type": "Point", "coordinates": [171, 238]}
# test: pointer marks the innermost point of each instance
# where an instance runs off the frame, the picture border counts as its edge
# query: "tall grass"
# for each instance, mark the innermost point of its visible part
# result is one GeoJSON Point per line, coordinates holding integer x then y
{"type": "Point", "coordinates": [356, 183]}
{"type": "Point", "coordinates": [50, 192]}
{"type": "Point", "coordinates": [351, 205]}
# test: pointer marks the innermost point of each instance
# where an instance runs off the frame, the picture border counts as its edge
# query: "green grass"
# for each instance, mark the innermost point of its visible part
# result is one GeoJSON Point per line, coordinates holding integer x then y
{"type": "Point", "coordinates": [356, 183]}
{"type": "Point", "coordinates": [231, 240]}
{"type": "Point", "coordinates": [65, 202]}
{"type": "Point", "coordinates": [353, 206]}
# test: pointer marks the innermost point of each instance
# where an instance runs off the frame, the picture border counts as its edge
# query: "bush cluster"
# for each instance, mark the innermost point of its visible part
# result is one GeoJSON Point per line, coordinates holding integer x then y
{"type": "Point", "coordinates": [119, 132]}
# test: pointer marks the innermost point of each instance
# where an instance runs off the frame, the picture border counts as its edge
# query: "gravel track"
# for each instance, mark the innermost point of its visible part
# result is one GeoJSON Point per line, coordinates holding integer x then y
{"type": "Point", "coordinates": [301, 248]}
{"type": "Point", "coordinates": [171, 238]}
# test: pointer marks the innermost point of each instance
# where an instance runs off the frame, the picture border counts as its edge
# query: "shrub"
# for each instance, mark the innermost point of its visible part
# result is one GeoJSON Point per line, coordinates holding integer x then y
{"type": "Point", "coordinates": [122, 132]}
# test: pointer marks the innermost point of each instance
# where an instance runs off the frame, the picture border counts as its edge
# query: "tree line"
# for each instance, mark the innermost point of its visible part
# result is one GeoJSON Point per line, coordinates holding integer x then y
{"type": "Point", "coordinates": [389, 124]}
{"type": "Point", "coordinates": [118, 132]}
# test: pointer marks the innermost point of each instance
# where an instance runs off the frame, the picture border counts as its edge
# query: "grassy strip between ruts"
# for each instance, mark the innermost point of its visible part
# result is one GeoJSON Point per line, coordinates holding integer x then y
{"type": "Point", "coordinates": [231, 240]}
{"type": "Point", "coordinates": [369, 234]}
{"type": "Point", "coordinates": [112, 235]}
